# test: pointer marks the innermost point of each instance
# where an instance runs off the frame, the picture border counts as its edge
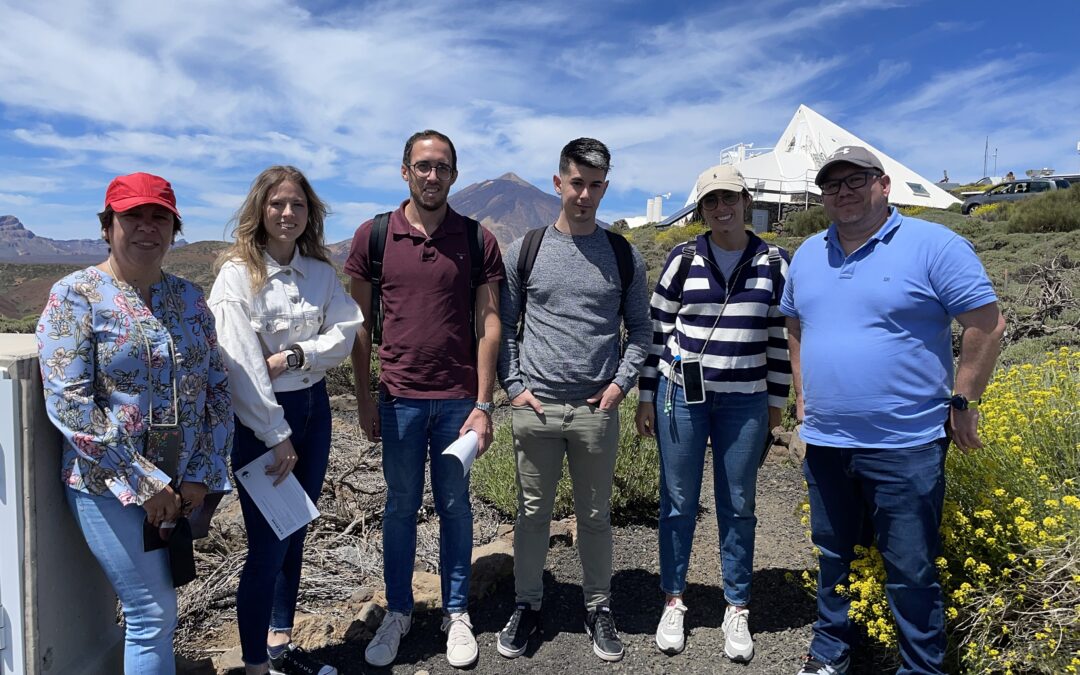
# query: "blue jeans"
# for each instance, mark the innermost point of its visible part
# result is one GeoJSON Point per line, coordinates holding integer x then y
{"type": "Point", "coordinates": [899, 493]}
{"type": "Point", "coordinates": [412, 430]}
{"type": "Point", "coordinates": [142, 580]}
{"type": "Point", "coordinates": [270, 581]}
{"type": "Point", "coordinates": [738, 425]}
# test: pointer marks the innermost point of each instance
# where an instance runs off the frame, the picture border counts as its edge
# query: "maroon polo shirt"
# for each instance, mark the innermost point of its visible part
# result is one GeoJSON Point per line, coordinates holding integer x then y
{"type": "Point", "coordinates": [427, 347]}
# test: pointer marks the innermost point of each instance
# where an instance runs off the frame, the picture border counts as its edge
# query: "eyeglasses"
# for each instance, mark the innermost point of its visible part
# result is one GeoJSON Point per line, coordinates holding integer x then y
{"type": "Point", "coordinates": [423, 169]}
{"type": "Point", "coordinates": [712, 200]}
{"type": "Point", "coordinates": [854, 182]}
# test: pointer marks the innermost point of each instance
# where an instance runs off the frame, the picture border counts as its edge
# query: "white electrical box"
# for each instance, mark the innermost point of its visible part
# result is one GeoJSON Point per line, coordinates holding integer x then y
{"type": "Point", "coordinates": [59, 611]}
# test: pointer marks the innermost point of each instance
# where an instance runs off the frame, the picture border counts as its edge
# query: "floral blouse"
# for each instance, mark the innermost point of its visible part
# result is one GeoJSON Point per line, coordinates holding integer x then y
{"type": "Point", "coordinates": [93, 338]}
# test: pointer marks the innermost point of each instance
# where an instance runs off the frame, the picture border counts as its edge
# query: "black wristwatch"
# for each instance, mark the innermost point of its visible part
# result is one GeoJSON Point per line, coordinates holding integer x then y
{"type": "Point", "coordinates": [961, 402]}
{"type": "Point", "coordinates": [294, 359]}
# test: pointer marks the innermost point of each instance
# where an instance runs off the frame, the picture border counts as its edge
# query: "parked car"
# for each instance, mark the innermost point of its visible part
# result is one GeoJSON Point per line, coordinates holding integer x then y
{"type": "Point", "coordinates": [1013, 190]}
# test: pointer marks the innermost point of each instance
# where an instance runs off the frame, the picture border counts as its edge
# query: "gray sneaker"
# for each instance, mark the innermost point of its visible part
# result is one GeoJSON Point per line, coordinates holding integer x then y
{"type": "Point", "coordinates": [383, 648]}
{"type": "Point", "coordinates": [738, 645]}
{"type": "Point", "coordinates": [670, 637]}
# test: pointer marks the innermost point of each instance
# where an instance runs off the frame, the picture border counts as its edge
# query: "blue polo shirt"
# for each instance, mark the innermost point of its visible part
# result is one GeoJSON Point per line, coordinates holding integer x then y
{"type": "Point", "coordinates": [876, 349]}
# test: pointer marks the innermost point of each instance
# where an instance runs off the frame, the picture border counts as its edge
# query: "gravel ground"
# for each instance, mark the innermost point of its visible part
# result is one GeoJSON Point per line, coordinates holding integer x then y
{"type": "Point", "coordinates": [781, 614]}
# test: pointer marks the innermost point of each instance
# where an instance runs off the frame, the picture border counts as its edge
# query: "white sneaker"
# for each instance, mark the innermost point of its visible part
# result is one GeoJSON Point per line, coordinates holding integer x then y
{"type": "Point", "coordinates": [383, 648]}
{"type": "Point", "coordinates": [670, 637]}
{"type": "Point", "coordinates": [461, 649]}
{"type": "Point", "coordinates": [738, 645]}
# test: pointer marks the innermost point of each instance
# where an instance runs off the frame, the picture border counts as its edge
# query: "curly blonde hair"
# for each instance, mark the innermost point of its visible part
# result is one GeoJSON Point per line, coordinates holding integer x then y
{"type": "Point", "coordinates": [249, 234]}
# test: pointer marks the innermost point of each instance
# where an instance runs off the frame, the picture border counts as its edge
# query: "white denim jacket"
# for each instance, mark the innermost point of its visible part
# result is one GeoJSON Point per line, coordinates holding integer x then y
{"type": "Point", "coordinates": [302, 303]}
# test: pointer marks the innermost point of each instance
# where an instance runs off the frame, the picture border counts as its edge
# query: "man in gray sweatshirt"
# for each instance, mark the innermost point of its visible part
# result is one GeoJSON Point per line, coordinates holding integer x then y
{"type": "Point", "coordinates": [565, 379]}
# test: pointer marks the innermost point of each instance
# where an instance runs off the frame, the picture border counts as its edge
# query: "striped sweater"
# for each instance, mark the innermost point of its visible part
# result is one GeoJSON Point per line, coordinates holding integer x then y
{"type": "Point", "coordinates": [748, 350]}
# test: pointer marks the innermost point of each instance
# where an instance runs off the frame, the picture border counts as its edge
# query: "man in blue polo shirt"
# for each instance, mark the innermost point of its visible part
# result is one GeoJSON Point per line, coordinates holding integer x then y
{"type": "Point", "coordinates": [870, 304]}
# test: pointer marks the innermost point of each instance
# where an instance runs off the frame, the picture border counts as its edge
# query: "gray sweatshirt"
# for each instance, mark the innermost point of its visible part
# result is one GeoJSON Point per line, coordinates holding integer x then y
{"type": "Point", "coordinates": [570, 348]}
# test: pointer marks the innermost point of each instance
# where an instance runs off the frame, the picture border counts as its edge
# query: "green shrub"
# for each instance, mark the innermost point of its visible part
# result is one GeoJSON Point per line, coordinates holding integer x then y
{"type": "Point", "coordinates": [339, 379]}
{"type": "Point", "coordinates": [913, 211]}
{"type": "Point", "coordinates": [635, 495]}
{"type": "Point", "coordinates": [1054, 211]}
{"type": "Point", "coordinates": [673, 236]}
{"type": "Point", "coordinates": [805, 223]}
{"type": "Point", "coordinates": [27, 324]}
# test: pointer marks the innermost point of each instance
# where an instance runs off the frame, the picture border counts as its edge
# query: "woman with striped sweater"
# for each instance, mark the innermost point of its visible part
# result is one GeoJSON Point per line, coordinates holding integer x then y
{"type": "Point", "coordinates": [718, 371]}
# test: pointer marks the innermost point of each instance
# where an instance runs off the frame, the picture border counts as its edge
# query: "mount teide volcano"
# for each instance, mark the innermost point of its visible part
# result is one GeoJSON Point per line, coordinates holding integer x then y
{"type": "Point", "coordinates": [508, 206]}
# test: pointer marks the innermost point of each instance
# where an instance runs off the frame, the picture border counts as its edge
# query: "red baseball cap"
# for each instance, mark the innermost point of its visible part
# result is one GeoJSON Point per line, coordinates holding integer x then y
{"type": "Point", "coordinates": [136, 189]}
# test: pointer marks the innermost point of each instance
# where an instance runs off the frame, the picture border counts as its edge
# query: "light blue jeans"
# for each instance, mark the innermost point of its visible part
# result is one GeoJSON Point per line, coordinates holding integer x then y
{"type": "Point", "coordinates": [737, 424]}
{"type": "Point", "coordinates": [412, 431]}
{"type": "Point", "coordinates": [142, 580]}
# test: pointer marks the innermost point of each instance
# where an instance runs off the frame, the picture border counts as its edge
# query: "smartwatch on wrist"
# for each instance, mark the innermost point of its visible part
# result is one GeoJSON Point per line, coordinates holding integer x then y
{"type": "Point", "coordinates": [294, 358]}
{"type": "Point", "coordinates": [961, 402]}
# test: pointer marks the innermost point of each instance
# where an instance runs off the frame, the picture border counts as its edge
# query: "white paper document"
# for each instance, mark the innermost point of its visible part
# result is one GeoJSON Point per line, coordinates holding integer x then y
{"type": "Point", "coordinates": [464, 448]}
{"type": "Point", "coordinates": [286, 506]}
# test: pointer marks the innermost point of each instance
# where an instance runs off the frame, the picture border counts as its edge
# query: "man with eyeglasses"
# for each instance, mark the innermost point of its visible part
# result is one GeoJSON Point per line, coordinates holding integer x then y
{"type": "Point", "coordinates": [436, 380]}
{"type": "Point", "coordinates": [565, 379]}
{"type": "Point", "coordinates": [870, 303]}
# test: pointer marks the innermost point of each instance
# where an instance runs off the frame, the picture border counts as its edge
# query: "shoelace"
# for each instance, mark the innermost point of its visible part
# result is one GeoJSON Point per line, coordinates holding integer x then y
{"type": "Point", "coordinates": [737, 625]}
{"type": "Point", "coordinates": [514, 623]}
{"type": "Point", "coordinates": [382, 636]}
{"type": "Point", "coordinates": [605, 626]}
{"type": "Point", "coordinates": [459, 632]}
{"type": "Point", "coordinates": [298, 658]}
{"type": "Point", "coordinates": [674, 615]}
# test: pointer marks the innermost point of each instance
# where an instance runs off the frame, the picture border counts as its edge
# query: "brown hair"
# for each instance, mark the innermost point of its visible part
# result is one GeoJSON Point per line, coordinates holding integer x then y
{"type": "Point", "coordinates": [250, 235]}
{"type": "Point", "coordinates": [406, 157]}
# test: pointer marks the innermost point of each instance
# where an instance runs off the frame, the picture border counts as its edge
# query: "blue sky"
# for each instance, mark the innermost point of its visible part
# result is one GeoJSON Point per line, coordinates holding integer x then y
{"type": "Point", "coordinates": [208, 94]}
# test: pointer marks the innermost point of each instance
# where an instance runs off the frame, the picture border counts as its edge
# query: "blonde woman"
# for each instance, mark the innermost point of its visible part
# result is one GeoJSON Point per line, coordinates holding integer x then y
{"type": "Point", "coordinates": [284, 320]}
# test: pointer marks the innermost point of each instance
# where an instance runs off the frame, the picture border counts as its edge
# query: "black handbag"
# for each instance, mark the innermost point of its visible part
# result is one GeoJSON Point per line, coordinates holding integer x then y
{"type": "Point", "coordinates": [178, 544]}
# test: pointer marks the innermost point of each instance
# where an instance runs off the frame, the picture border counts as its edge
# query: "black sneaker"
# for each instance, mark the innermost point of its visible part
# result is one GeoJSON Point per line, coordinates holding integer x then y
{"type": "Point", "coordinates": [295, 661]}
{"type": "Point", "coordinates": [514, 638]}
{"type": "Point", "coordinates": [600, 625]}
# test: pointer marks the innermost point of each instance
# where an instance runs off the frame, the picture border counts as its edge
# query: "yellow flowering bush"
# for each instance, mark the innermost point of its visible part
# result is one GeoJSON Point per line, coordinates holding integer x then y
{"type": "Point", "coordinates": [1010, 530]}
{"type": "Point", "coordinates": [913, 210]}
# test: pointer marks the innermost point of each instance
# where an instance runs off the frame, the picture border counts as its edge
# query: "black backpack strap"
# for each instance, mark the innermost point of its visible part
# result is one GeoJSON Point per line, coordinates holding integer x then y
{"type": "Point", "coordinates": [530, 246]}
{"type": "Point", "coordinates": [689, 250]}
{"type": "Point", "coordinates": [376, 247]}
{"type": "Point", "coordinates": [476, 253]}
{"type": "Point", "coordinates": [624, 258]}
{"type": "Point", "coordinates": [775, 261]}
{"type": "Point", "coordinates": [475, 235]}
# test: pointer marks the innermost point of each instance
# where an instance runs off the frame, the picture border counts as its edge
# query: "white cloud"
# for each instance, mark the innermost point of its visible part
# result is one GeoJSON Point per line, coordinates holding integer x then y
{"type": "Point", "coordinates": [208, 94]}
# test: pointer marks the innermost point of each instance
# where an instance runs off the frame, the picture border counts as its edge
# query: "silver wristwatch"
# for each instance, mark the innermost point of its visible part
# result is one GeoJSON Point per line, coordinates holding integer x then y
{"type": "Point", "coordinates": [486, 407]}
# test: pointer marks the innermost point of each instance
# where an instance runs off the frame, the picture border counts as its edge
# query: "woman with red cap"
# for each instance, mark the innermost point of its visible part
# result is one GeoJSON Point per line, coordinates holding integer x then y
{"type": "Point", "coordinates": [285, 319]}
{"type": "Point", "coordinates": [136, 385]}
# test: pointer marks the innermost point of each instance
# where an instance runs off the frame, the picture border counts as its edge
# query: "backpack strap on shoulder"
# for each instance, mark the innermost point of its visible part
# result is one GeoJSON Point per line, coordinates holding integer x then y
{"type": "Point", "coordinates": [775, 261]}
{"type": "Point", "coordinates": [376, 248]}
{"type": "Point", "coordinates": [530, 246]}
{"type": "Point", "coordinates": [689, 250]}
{"type": "Point", "coordinates": [475, 235]}
{"type": "Point", "coordinates": [624, 258]}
